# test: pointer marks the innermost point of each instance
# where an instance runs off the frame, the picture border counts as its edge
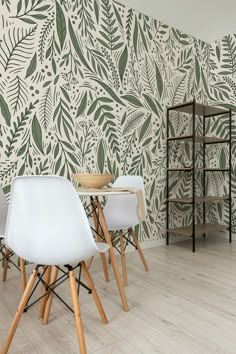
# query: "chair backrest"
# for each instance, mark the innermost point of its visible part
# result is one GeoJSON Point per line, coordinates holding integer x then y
{"type": "Point", "coordinates": [122, 209]}
{"type": "Point", "coordinates": [46, 221]}
{"type": "Point", "coordinates": [3, 213]}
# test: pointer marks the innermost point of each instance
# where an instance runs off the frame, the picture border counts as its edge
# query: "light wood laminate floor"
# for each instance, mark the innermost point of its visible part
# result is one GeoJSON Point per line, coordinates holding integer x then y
{"type": "Point", "coordinates": [186, 304]}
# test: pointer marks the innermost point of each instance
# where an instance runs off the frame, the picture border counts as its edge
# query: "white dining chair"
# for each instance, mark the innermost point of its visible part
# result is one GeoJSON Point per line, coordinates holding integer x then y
{"type": "Point", "coordinates": [47, 225]}
{"type": "Point", "coordinates": [121, 214]}
{"type": "Point", "coordinates": [6, 253]}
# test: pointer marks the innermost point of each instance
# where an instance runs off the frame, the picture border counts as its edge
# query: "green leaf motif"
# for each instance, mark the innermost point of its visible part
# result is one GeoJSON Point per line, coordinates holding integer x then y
{"type": "Point", "coordinates": [133, 100]}
{"type": "Point", "coordinates": [109, 91]}
{"type": "Point", "coordinates": [151, 104]}
{"type": "Point", "coordinates": [145, 127]}
{"type": "Point", "coordinates": [159, 81]}
{"type": "Point", "coordinates": [32, 11]}
{"type": "Point", "coordinates": [37, 134]}
{"type": "Point", "coordinates": [101, 156]}
{"type": "Point", "coordinates": [76, 46]}
{"type": "Point", "coordinates": [229, 56]}
{"type": "Point", "coordinates": [22, 150]}
{"type": "Point", "coordinates": [123, 62]}
{"type": "Point", "coordinates": [135, 36]}
{"type": "Point", "coordinates": [5, 110]}
{"type": "Point", "coordinates": [223, 159]}
{"type": "Point", "coordinates": [197, 70]}
{"type": "Point", "coordinates": [32, 66]}
{"type": "Point", "coordinates": [19, 6]}
{"type": "Point", "coordinates": [60, 24]}
{"type": "Point", "coordinates": [143, 38]}
{"type": "Point", "coordinates": [110, 37]}
{"type": "Point", "coordinates": [83, 105]}
{"type": "Point", "coordinates": [118, 15]}
{"type": "Point", "coordinates": [218, 53]}
{"type": "Point", "coordinates": [180, 36]}
{"type": "Point", "coordinates": [94, 104]}
{"type": "Point", "coordinates": [96, 10]}
{"type": "Point", "coordinates": [13, 46]}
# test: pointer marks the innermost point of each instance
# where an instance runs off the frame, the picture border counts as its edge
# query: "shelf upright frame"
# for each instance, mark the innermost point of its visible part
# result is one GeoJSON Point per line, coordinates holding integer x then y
{"type": "Point", "coordinates": [193, 175]}
{"type": "Point", "coordinates": [230, 176]}
{"type": "Point", "coordinates": [204, 172]}
{"type": "Point", "coordinates": [167, 176]}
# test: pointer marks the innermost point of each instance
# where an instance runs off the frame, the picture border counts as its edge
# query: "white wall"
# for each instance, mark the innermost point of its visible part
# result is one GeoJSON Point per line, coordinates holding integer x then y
{"type": "Point", "coordinates": [207, 20]}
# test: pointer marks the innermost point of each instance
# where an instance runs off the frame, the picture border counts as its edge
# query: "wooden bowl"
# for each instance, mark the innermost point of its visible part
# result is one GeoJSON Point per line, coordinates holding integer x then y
{"type": "Point", "coordinates": [92, 180]}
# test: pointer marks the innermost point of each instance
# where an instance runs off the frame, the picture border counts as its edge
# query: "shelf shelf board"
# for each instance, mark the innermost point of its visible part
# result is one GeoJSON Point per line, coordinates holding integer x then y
{"type": "Point", "coordinates": [197, 199]}
{"type": "Point", "coordinates": [199, 139]}
{"type": "Point", "coordinates": [199, 229]}
{"type": "Point", "coordinates": [200, 109]}
{"type": "Point", "coordinates": [189, 169]}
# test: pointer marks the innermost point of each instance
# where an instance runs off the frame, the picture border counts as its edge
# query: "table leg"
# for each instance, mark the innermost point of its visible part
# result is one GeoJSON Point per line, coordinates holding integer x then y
{"type": "Point", "coordinates": [98, 231]}
{"type": "Point", "coordinates": [113, 258]}
{"type": "Point", "coordinates": [112, 237]}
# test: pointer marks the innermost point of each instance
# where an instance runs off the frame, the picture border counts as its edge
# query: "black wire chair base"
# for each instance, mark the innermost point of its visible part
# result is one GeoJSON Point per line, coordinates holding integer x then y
{"type": "Point", "coordinates": [51, 287]}
{"type": "Point", "coordinates": [8, 257]}
{"type": "Point", "coordinates": [127, 237]}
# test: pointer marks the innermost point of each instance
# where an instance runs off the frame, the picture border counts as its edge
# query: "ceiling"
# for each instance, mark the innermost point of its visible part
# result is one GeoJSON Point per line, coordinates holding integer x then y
{"type": "Point", "coordinates": [207, 20]}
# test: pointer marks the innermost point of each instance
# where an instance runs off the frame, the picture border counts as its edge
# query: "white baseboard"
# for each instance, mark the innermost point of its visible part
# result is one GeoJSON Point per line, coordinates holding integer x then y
{"type": "Point", "coordinates": [155, 243]}
{"type": "Point", "coordinates": [173, 239]}
{"type": "Point", "coordinates": [225, 235]}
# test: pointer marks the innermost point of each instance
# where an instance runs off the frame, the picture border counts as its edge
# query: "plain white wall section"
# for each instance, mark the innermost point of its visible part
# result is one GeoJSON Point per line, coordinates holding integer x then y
{"type": "Point", "coordinates": [207, 20]}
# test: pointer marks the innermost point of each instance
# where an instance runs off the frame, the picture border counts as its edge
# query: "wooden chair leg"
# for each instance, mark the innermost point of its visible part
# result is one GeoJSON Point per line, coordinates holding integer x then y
{"type": "Point", "coordinates": [22, 274]}
{"type": "Point", "coordinates": [123, 259]}
{"type": "Point", "coordinates": [76, 307]}
{"type": "Point", "coordinates": [113, 259]}
{"type": "Point", "coordinates": [112, 236]}
{"type": "Point", "coordinates": [99, 231]}
{"type": "Point", "coordinates": [94, 292]}
{"type": "Point", "coordinates": [44, 291]}
{"type": "Point", "coordinates": [5, 269]}
{"type": "Point", "coordinates": [50, 296]}
{"type": "Point", "coordinates": [139, 249]}
{"type": "Point", "coordinates": [19, 312]}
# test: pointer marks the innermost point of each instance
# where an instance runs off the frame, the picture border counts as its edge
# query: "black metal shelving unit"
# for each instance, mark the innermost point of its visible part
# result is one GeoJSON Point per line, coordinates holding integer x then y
{"type": "Point", "coordinates": [203, 112]}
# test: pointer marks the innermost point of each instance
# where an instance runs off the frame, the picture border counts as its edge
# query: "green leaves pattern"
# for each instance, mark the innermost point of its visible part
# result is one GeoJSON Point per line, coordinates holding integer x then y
{"type": "Point", "coordinates": [222, 90]}
{"type": "Point", "coordinates": [84, 86]}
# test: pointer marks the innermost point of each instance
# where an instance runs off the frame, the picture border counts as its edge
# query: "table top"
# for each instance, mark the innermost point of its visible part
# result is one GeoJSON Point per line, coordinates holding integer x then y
{"type": "Point", "coordinates": [106, 192]}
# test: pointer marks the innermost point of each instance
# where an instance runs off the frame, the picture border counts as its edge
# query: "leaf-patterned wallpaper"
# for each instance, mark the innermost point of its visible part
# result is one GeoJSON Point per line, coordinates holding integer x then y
{"type": "Point", "coordinates": [84, 86]}
{"type": "Point", "coordinates": [221, 73]}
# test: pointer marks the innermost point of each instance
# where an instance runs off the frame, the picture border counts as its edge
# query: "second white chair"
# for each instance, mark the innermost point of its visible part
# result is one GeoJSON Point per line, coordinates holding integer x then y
{"type": "Point", "coordinates": [4, 251]}
{"type": "Point", "coordinates": [121, 214]}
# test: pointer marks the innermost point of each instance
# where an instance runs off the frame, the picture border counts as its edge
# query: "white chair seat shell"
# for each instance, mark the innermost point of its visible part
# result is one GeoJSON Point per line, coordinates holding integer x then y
{"type": "Point", "coordinates": [47, 223]}
{"type": "Point", "coordinates": [121, 211]}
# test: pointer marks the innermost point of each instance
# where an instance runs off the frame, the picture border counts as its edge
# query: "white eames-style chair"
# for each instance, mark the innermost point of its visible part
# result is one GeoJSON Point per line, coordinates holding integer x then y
{"type": "Point", "coordinates": [47, 226]}
{"type": "Point", "coordinates": [121, 214]}
{"type": "Point", "coordinates": [6, 253]}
